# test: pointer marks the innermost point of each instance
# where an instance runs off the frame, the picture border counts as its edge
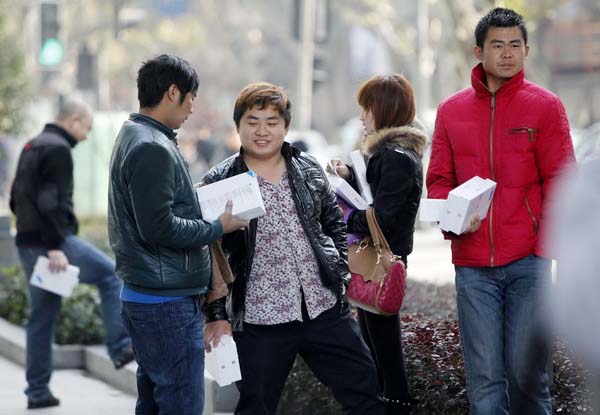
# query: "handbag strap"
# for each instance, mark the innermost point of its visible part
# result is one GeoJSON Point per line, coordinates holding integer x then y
{"type": "Point", "coordinates": [376, 234]}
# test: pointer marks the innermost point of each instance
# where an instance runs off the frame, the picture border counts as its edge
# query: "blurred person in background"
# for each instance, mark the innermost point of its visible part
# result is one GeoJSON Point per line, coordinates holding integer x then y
{"type": "Point", "coordinates": [161, 242]}
{"type": "Point", "coordinates": [395, 175]}
{"type": "Point", "coordinates": [290, 266]}
{"type": "Point", "coordinates": [575, 237]}
{"type": "Point", "coordinates": [516, 133]}
{"type": "Point", "coordinates": [42, 200]}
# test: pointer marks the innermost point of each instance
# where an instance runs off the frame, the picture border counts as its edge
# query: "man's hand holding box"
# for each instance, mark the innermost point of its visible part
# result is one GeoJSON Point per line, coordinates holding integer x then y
{"type": "Point", "coordinates": [470, 199]}
{"type": "Point", "coordinates": [242, 189]}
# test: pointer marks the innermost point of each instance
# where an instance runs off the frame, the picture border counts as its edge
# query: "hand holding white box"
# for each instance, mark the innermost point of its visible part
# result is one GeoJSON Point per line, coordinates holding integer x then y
{"type": "Point", "coordinates": [241, 189]}
{"type": "Point", "coordinates": [343, 189]}
{"type": "Point", "coordinates": [222, 362]}
{"type": "Point", "coordinates": [360, 173]}
{"type": "Point", "coordinates": [61, 283]}
{"type": "Point", "coordinates": [470, 199]}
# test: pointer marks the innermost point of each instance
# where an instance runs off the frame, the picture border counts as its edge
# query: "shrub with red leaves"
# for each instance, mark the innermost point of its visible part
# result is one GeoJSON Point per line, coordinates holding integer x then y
{"type": "Point", "coordinates": [435, 368]}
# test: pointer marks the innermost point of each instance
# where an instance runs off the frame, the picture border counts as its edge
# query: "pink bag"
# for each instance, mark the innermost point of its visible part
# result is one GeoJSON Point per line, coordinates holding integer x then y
{"type": "Point", "coordinates": [378, 276]}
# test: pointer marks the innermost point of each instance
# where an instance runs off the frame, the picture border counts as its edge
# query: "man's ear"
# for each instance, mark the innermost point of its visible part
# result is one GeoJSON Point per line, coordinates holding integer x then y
{"type": "Point", "coordinates": [478, 53]}
{"type": "Point", "coordinates": [172, 92]}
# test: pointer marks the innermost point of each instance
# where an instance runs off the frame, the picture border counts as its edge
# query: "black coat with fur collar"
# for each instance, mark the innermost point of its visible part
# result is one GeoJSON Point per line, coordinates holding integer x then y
{"type": "Point", "coordinates": [395, 174]}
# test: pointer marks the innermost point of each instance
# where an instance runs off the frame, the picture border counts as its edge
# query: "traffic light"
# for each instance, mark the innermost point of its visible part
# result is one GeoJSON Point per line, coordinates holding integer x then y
{"type": "Point", "coordinates": [320, 68]}
{"type": "Point", "coordinates": [87, 78]}
{"type": "Point", "coordinates": [51, 48]}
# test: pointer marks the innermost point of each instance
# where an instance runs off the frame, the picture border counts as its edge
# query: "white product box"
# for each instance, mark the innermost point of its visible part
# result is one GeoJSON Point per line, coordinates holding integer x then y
{"type": "Point", "coordinates": [343, 189]}
{"type": "Point", "coordinates": [430, 210]}
{"type": "Point", "coordinates": [222, 362]}
{"type": "Point", "coordinates": [471, 198]}
{"type": "Point", "coordinates": [242, 189]}
{"type": "Point", "coordinates": [61, 283]}
{"type": "Point", "coordinates": [360, 172]}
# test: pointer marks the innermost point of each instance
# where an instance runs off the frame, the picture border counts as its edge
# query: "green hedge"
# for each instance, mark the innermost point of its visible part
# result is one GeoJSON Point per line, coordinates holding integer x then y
{"type": "Point", "coordinates": [79, 322]}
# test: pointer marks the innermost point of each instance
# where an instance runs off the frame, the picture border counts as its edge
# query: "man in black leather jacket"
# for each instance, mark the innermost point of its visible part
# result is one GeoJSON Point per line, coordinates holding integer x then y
{"type": "Point", "coordinates": [161, 241]}
{"type": "Point", "coordinates": [290, 266]}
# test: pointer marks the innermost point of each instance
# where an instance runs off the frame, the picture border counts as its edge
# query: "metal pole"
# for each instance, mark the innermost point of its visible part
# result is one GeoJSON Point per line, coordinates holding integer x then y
{"type": "Point", "coordinates": [424, 70]}
{"type": "Point", "coordinates": [307, 53]}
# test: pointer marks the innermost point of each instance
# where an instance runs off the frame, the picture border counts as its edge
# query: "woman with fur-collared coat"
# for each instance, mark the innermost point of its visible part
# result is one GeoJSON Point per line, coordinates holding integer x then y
{"type": "Point", "coordinates": [394, 150]}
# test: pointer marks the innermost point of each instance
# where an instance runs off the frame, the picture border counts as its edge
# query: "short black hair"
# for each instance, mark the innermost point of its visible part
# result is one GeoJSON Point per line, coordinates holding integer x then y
{"type": "Point", "coordinates": [499, 17]}
{"type": "Point", "coordinates": [157, 75]}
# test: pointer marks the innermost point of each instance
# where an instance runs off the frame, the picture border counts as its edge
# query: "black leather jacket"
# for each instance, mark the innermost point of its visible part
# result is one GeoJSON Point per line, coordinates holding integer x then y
{"type": "Point", "coordinates": [321, 219]}
{"type": "Point", "coordinates": [154, 223]}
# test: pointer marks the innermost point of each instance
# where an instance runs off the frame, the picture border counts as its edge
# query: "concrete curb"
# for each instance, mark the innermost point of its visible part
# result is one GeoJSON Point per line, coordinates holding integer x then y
{"type": "Point", "coordinates": [95, 360]}
{"type": "Point", "coordinates": [12, 346]}
{"type": "Point", "coordinates": [99, 365]}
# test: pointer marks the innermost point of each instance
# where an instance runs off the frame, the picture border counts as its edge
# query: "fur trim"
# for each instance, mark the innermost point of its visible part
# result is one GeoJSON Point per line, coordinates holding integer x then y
{"type": "Point", "coordinates": [408, 138]}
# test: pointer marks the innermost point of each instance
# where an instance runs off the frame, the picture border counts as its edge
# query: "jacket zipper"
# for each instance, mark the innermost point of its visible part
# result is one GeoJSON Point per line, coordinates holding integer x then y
{"type": "Point", "coordinates": [493, 107]}
{"type": "Point", "coordinates": [527, 130]}
{"type": "Point", "coordinates": [533, 218]}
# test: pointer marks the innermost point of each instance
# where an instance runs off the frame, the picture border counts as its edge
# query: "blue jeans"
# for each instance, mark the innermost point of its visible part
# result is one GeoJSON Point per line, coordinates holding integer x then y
{"type": "Point", "coordinates": [95, 268]}
{"type": "Point", "coordinates": [500, 323]}
{"type": "Point", "coordinates": [168, 343]}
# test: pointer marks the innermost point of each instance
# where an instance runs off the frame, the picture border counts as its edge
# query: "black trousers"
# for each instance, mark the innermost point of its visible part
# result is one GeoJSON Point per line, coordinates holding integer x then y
{"type": "Point", "coordinates": [384, 338]}
{"type": "Point", "coordinates": [330, 345]}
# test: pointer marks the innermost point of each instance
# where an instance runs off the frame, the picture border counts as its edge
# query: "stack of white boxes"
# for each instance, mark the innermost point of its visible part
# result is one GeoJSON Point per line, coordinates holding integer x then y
{"type": "Point", "coordinates": [470, 199]}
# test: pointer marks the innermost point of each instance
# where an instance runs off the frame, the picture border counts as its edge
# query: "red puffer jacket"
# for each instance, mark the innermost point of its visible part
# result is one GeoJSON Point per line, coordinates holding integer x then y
{"type": "Point", "coordinates": [518, 137]}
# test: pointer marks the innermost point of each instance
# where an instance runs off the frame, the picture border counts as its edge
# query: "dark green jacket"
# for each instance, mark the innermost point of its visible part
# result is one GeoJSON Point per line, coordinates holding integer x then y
{"type": "Point", "coordinates": [155, 226]}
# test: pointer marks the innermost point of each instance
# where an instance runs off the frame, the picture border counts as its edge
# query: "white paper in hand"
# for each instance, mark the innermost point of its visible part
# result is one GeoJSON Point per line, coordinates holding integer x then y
{"type": "Point", "coordinates": [61, 283]}
{"type": "Point", "coordinates": [360, 172]}
{"type": "Point", "coordinates": [222, 362]}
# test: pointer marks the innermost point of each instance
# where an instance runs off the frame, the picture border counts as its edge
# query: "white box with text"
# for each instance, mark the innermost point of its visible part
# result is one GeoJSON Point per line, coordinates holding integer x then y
{"type": "Point", "coordinates": [242, 189]}
{"type": "Point", "coordinates": [61, 283]}
{"type": "Point", "coordinates": [222, 362]}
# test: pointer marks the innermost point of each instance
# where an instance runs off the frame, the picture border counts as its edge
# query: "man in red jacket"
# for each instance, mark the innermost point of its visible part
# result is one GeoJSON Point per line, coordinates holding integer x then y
{"type": "Point", "coordinates": [516, 133]}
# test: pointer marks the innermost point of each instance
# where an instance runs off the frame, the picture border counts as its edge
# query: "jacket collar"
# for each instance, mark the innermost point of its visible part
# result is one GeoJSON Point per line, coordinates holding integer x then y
{"type": "Point", "coordinates": [407, 138]}
{"type": "Point", "coordinates": [478, 78]}
{"type": "Point", "coordinates": [144, 119]}
{"type": "Point", "coordinates": [56, 129]}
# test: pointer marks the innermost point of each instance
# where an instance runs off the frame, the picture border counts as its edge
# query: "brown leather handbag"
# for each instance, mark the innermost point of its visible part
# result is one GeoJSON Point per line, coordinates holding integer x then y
{"type": "Point", "coordinates": [378, 276]}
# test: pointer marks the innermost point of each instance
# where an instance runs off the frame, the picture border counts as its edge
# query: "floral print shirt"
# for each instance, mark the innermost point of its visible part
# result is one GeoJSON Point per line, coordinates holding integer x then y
{"type": "Point", "coordinates": [284, 265]}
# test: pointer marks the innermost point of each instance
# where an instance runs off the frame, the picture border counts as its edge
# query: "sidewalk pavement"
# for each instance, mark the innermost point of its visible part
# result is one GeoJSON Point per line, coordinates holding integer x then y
{"type": "Point", "coordinates": [78, 393]}
{"type": "Point", "coordinates": [431, 259]}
